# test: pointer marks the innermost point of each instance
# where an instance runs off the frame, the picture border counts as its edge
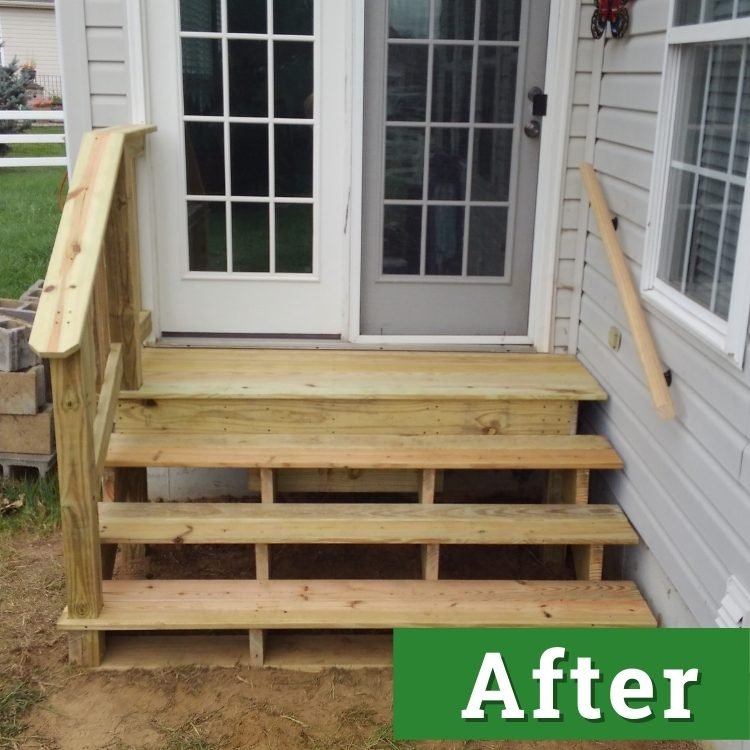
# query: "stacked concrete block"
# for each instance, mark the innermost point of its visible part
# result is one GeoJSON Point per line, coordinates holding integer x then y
{"type": "Point", "coordinates": [27, 436]}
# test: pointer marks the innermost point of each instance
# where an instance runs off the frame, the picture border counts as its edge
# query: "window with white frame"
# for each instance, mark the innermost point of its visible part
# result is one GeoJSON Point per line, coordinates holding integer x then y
{"type": "Point", "coordinates": [698, 260]}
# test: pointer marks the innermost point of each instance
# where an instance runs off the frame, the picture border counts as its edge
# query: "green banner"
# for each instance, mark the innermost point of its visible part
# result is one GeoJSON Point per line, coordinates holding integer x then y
{"type": "Point", "coordinates": [461, 684]}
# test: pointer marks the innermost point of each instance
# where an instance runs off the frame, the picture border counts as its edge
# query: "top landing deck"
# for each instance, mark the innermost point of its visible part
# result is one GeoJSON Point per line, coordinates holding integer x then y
{"type": "Point", "coordinates": [299, 374]}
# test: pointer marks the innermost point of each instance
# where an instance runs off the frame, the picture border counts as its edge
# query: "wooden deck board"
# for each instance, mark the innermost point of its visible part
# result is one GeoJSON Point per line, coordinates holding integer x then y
{"type": "Point", "coordinates": [292, 374]}
{"type": "Point", "coordinates": [361, 523]}
{"type": "Point", "coordinates": [313, 604]}
{"type": "Point", "coordinates": [362, 452]}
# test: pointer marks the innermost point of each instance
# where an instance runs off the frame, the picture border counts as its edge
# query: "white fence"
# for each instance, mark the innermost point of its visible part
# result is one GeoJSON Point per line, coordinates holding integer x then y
{"type": "Point", "coordinates": [35, 116]}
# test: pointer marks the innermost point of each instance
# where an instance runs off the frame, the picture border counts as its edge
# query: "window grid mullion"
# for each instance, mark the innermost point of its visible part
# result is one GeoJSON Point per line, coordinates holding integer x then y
{"type": "Point", "coordinates": [689, 236]}
{"type": "Point", "coordinates": [470, 155]}
{"type": "Point", "coordinates": [728, 186]}
{"type": "Point", "coordinates": [227, 144]}
{"type": "Point", "coordinates": [427, 138]}
{"type": "Point", "coordinates": [271, 144]}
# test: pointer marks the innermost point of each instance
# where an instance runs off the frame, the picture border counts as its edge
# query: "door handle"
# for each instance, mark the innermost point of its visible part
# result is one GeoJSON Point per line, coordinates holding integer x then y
{"type": "Point", "coordinates": [533, 129]}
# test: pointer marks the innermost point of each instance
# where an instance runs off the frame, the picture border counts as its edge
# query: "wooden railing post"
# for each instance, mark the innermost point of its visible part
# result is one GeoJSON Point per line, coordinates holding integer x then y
{"type": "Point", "coordinates": [122, 253]}
{"type": "Point", "coordinates": [74, 400]}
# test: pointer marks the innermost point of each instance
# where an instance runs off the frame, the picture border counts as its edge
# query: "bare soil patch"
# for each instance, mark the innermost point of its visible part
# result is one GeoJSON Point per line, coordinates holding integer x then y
{"type": "Point", "coordinates": [195, 709]}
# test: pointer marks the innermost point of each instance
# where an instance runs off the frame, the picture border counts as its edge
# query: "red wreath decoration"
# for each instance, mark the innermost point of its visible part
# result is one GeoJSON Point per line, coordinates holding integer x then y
{"type": "Point", "coordinates": [612, 12]}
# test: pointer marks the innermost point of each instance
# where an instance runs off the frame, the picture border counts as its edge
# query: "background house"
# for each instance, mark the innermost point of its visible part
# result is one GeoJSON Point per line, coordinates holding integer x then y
{"type": "Point", "coordinates": [28, 33]}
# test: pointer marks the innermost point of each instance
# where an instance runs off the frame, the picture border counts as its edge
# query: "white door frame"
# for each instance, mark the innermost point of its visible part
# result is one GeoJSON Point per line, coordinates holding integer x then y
{"type": "Point", "coordinates": [561, 54]}
{"type": "Point", "coordinates": [560, 72]}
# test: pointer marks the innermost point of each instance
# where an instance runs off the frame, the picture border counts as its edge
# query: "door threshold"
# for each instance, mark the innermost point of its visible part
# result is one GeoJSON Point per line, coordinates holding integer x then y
{"type": "Point", "coordinates": [235, 342]}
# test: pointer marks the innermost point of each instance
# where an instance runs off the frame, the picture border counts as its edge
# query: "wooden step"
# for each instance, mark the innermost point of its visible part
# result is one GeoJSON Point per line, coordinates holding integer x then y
{"type": "Point", "coordinates": [314, 604]}
{"type": "Point", "coordinates": [285, 374]}
{"type": "Point", "coordinates": [362, 452]}
{"type": "Point", "coordinates": [317, 392]}
{"type": "Point", "coordinates": [361, 523]}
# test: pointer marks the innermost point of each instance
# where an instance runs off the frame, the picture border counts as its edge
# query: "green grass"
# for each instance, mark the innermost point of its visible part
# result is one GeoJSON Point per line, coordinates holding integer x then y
{"type": "Point", "coordinates": [15, 699]}
{"type": "Point", "coordinates": [29, 215]}
{"type": "Point", "coordinates": [40, 509]}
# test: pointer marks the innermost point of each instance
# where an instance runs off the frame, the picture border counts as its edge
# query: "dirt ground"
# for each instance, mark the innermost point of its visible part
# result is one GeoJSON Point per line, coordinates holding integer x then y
{"type": "Point", "coordinates": [180, 709]}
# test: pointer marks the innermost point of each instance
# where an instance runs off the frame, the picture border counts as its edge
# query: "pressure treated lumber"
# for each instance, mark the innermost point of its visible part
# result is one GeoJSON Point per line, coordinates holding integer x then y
{"type": "Point", "coordinates": [644, 341]}
{"type": "Point", "coordinates": [361, 523]}
{"type": "Point", "coordinates": [300, 651]}
{"type": "Point", "coordinates": [313, 604]}
{"type": "Point", "coordinates": [68, 289]}
{"type": "Point", "coordinates": [362, 452]}
{"type": "Point", "coordinates": [105, 411]}
{"type": "Point", "coordinates": [319, 416]}
{"type": "Point", "coordinates": [339, 374]}
{"type": "Point", "coordinates": [74, 403]}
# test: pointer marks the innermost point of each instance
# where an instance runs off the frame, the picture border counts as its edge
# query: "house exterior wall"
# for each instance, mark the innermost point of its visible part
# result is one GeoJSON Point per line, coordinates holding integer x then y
{"type": "Point", "coordinates": [686, 483]}
{"type": "Point", "coordinates": [29, 34]}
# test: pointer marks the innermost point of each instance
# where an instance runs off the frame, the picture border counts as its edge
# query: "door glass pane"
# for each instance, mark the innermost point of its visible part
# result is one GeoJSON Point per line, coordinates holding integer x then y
{"type": "Point", "coordinates": [404, 163]}
{"type": "Point", "coordinates": [451, 83]}
{"type": "Point", "coordinates": [248, 78]}
{"type": "Point", "coordinates": [493, 158]}
{"type": "Point", "coordinates": [445, 240]}
{"type": "Point", "coordinates": [407, 82]}
{"type": "Point", "coordinates": [488, 229]}
{"type": "Point", "coordinates": [294, 156]}
{"type": "Point", "coordinates": [268, 162]}
{"type": "Point", "coordinates": [409, 19]}
{"type": "Point", "coordinates": [250, 233]}
{"type": "Point", "coordinates": [294, 238]}
{"type": "Point", "coordinates": [496, 84]}
{"type": "Point", "coordinates": [207, 236]}
{"type": "Point", "coordinates": [204, 158]}
{"type": "Point", "coordinates": [249, 161]}
{"type": "Point", "coordinates": [293, 87]}
{"type": "Point", "coordinates": [402, 239]}
{"type": "Point", "coordinates": [479, 148]}
{"type": "Point", "coordinates": [246, 16]}
{"type": "Point", "coordinates": [293, 17]}
{"type": "Point", "coordinates": [200, 15]}
{"type": "Point", "coordinates": [201, 77]}
{"type": "Point", "coordinates": [454, 19]}
{"type": "Point", "coordinates": [448, 156]}
{"type": "Point", "coordinates": [501, 20]}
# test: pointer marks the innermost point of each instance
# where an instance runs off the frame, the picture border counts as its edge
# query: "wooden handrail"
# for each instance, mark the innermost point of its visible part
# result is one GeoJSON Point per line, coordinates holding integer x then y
{"type": "Point", "coordinates": [644, 341]}
{"type": "Point", "coordinates": [69, 285]}
{"type": "Point", "coordinates": [90, 325]}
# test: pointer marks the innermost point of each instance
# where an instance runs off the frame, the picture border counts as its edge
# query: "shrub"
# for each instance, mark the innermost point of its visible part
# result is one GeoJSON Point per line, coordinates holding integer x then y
{"type": "Point", "coordinates": [13, 83]}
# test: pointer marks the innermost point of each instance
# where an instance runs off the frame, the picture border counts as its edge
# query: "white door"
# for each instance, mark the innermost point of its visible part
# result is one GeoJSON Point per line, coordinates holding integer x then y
{"type": "Point", "coordinates": [250, 165]}
{"type": "Point", "coordinates": [450, 165]}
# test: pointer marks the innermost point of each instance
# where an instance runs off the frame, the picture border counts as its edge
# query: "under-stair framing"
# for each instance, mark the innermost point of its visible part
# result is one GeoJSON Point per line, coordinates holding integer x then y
{"type": "Point", "coordinates": [285, 414]}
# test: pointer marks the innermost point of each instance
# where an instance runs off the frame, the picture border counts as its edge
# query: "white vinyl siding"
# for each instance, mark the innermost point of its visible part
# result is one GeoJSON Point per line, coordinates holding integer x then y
{"type": "Point", "coordinates": [686, 483]}
{"type": "Point", "coordinates": [106, 47]}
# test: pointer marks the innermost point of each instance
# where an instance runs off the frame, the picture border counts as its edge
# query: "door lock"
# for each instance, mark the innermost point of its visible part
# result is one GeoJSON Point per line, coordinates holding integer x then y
{"type": "Point", "coordinates": [533, 129]}
{"type": "Point", "coordinates": [538, 100]}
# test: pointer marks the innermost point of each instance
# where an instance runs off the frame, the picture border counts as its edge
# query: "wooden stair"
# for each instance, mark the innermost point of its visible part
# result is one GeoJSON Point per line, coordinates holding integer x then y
{"type": "Point", "coordinates": [401, 419]}
{"type": "Point", "coordinates": [316, 604]}
{"type": "Point", "coordinates": [394, 452]}
{"type": "Point", "coordinates": [361, 523]}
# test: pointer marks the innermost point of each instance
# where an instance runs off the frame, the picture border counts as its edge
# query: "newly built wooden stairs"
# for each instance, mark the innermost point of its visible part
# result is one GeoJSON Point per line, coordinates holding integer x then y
{"type": "Point", "coordinates": [299, 421]}
{"type": "Point", "coordinates": [399, 420]}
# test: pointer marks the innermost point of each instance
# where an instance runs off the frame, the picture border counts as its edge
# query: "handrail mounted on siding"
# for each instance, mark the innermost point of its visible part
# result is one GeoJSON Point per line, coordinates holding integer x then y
{"type": "Point", "coordinates": [631, 301]}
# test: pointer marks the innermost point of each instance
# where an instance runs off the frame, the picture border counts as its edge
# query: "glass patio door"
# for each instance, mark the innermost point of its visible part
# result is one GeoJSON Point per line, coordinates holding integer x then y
{"type": "Point", "coordinates": [252, 186]}
{"type": "Point", "coordinates": [451, 163]}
